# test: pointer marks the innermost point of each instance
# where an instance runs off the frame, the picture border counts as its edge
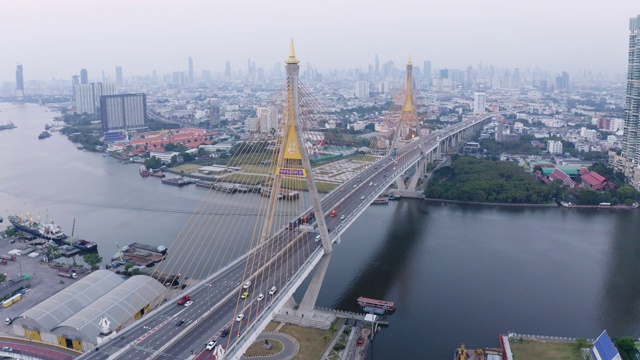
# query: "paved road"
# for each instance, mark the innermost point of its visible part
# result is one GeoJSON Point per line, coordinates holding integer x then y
{"type": "Point", "coordinates": [35, 349]}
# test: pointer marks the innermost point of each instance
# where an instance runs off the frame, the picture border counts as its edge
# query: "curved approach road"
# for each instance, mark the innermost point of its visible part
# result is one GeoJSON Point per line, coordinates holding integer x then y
{"type": "Point", "coordinates": [290, 346]}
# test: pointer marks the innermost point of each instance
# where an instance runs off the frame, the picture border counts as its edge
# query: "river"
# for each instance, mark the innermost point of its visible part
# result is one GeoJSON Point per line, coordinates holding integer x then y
{"type": "Point", "coordinates": [458, 273]}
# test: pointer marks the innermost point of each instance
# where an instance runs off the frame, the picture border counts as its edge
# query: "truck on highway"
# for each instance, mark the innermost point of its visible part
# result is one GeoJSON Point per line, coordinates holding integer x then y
{"type": "Point", "coordinates": [334, 213]}
{"type": "Point", "coordinates": [183, 300]}
{"type": "Point", "coordinates": [8, 257]}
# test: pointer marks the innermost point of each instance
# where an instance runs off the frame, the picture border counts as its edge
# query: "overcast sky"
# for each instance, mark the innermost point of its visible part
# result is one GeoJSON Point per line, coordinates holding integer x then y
{"type": "Point", "coordinates": [55, 38]}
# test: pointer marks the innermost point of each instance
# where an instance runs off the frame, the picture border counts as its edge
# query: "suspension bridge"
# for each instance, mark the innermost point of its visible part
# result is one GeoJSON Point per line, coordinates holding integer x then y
{"type": "Point", "coordinates": [246, 262]}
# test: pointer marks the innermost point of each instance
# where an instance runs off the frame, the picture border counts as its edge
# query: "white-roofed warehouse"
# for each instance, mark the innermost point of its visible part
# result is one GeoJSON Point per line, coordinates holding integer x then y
{"type": "Point", "coordinates": [70, 318]}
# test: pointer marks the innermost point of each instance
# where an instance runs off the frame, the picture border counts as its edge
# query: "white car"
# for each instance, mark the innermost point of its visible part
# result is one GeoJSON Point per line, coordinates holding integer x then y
{"type": "Point", "coordinates": [318, 238]}
{"type": "Point", "coordinates": [260, 297]}
{"type": "Point", "coordinates": [273, 290]}
{"type": "Point", "coordinates": [355, 185]}
{"type": "Point", "coordinates": [370, 184]}
{"type": "Point", "coordinates": [362, 197]}
{"type": "Point", "coordinates": [188, 303]}
{"type": "Point", "coordinates": [211, 344]}
{"type": "Point", "coordinates": [246, 285]}
{"type": "Point", "coordinates": [342, 217]}
{"type": "Point", "coordinates": [375, 184]}
{"type": "Point", "coordinates": [240, 317]}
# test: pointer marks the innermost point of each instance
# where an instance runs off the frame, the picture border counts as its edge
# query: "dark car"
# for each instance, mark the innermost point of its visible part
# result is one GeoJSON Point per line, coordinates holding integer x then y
{"type": "Point", "coordinates": [224, 333]}
{"type": "Point", "coordinates": [180, 322]}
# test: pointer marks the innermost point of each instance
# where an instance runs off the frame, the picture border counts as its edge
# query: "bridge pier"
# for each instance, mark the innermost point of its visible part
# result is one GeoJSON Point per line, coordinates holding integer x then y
{"type": "Point", "coordinates": [304, 314]}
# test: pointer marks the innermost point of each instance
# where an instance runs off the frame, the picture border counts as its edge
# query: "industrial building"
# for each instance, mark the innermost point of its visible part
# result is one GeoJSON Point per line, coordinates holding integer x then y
{"type": "Point", "coordinates": [75, 317]}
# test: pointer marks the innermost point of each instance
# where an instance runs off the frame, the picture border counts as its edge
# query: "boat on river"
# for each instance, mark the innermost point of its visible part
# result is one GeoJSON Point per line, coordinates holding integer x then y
{"type": "Point", "coordinates": [46, 230]}
{"type": "Point", "coordinates": [7, 126]}
{"type": "Point", "coordinates": [375, 305]}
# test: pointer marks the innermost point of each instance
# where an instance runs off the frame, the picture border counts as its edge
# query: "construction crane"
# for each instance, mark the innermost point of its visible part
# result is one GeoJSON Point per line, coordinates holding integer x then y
{"type": "Point", "coordinates": [120, 254]}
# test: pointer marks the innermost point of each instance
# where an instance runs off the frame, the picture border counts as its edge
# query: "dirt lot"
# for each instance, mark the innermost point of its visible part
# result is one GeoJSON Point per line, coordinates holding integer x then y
{"type": "Point", "coordinates": [45, 281]}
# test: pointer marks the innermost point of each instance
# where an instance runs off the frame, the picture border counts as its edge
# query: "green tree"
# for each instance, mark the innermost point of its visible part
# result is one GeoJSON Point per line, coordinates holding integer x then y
{"type": "Point", "coordinates": [92, 260]}
{"type": "Point", "coordinates": [153, 162]}
{"type": "Point", "coordinates": [626, 343]}
{"type": "Point", "coordinates": [581, 343]}
{"type": "Point", "coordinates": [3, 277]}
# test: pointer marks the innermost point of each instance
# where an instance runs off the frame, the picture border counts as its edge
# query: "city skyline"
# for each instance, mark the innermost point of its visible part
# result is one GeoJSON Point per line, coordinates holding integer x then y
{"type": "Point", "coordinates": [161, 35]}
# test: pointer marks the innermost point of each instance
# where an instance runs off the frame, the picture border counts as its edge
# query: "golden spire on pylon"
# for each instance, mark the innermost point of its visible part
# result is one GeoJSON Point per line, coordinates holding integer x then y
{"type": "Point", "coordinates": [409, 63]}
{"type": "Point", "coordinates": [292, 55]}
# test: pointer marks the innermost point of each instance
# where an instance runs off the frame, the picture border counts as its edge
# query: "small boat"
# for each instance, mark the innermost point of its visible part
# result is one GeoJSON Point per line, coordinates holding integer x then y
{"type": "Point", "coordinates": [158, 173]}
{"type": "Point", "coordinates": [144, 172]}
{"type": "Point", "coordinates": [44, 135]}
{"type": "Point", "coordinates": [84, 244]}
{"type": "Point", "coordinates": [204, 183]}
{"type": "Point", "coordinates": [376, 304]}
{"type": "Point", "coordinates": [7, 126]}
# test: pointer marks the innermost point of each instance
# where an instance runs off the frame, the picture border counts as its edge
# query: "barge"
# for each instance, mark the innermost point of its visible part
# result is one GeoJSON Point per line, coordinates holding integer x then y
{"type": "Point", "coordinates": [177, 181]}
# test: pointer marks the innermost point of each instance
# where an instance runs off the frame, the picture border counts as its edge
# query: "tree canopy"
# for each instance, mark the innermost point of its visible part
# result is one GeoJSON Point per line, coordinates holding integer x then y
{"type": "Point", "coordinates": [471, 179]}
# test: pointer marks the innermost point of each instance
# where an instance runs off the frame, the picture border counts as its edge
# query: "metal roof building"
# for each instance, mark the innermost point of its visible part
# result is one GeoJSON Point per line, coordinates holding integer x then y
{"type": "Point", "coordinates": [123, 304]}
{"type": "Point", "coordinates": [603, 348]}
{"type": "Point", "coordinates": [71, 317]}
{"type": "Point", "coordinates": [50, 313]}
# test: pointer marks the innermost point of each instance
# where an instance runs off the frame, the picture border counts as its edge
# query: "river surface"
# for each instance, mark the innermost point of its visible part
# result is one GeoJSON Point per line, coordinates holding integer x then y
{"type": "Point", "coordinates": [458, 273]}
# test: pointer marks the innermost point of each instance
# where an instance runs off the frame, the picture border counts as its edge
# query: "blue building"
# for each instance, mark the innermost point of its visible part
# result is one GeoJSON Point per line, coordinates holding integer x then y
{"type": "Point", "coordinates": [603, 348]}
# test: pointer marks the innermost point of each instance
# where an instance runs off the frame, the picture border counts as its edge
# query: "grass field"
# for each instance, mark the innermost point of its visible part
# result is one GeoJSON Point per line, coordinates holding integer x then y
{"type": "Point", "coordinates": [256, 349]}
{"type": "Point", "coordinates": [312, 341]}
{"type": "Point", "coordinates": [533, 350]}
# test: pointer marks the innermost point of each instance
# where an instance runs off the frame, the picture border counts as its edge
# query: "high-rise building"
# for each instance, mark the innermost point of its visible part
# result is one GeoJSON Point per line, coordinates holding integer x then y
{"type": "Point", "coordinates": [479, 102]}
{"type": "Point", "coordinates": [377, 66]}
{"type": "Point", "coordinates": [554, 146]}
{"type": "Point", "coordinates": [19, 79]}
{"type": "Point", "coordinates": [84, 76]}
{"type": "Point", "coordinates": [267, 119]}
{"type": "Point", "coordinates": [426, 71]}
{"type": "Point", "coordinates": [227, 70]}
{"type": "Point", "coordinates": [190, 70]}
{"type": "Point", "coordinates": [362, 89]}
{"type": "Point", "coordinates": [119, 75]}
{"type": "Point", "coordinates": [88, 96]}
{"type": "Point", "coordinates": [123, 112]}
{"type": "Point", "coordinates": [630, 141]}
{"type": "Point", "coordinates": [75, 80]}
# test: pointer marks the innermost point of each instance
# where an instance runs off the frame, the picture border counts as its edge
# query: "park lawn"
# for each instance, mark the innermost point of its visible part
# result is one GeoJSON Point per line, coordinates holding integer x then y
{"type": "Point", "coordinates": [312, 344]}
{"type": "Point", "coordinates": [256, 348]}
{"type": "Point", "coordinates": [532, 350]}
{"type": "Point", "coordinates": [186, 168]}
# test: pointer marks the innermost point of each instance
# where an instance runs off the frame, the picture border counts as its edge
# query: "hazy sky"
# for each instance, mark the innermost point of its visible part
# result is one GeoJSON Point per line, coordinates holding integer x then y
{"type": "Point", "coordinates": [55, 38]}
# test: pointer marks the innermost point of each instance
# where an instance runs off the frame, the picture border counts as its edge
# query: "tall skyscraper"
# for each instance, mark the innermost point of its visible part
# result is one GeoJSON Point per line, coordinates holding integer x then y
{"type": "Point", "coordinates": [19, 80]}
{"type": "Point", "coordinates": [426, 71]}
{"type": "Point", "coordinates": [630, 141]}
{"type": "Point", "coordinates": [362, 89]}
{"type": "Point", "coordinates": [119, 75]}
{"type": "Point", "coordinates": [123, 112]}
{"type": "Point", "coordinates": [75, 80]}
{"type": "Point", "coordinates": [227, 70]}
{"type": "Point", "coordinates": [88, 96]}
{"type": "Point", "coordinates": [479, 102]}
{"type": "Point", "coordinates": [190, 70]}
{"type": "Point", "coordinates": [377, 66]}
{"type": "Point", "coordinates": [84, 77]}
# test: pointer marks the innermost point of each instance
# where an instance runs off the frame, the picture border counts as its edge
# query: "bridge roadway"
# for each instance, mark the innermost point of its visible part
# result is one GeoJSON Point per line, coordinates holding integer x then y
{"type": "Point", "coordinates": [157, 336]}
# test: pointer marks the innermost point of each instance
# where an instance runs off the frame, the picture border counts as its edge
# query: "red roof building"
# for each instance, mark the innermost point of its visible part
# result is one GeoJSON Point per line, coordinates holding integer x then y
{"type": "Point", "coordinates": [592, 180]}
{"type": "Point", "coordinates": [558, 174]}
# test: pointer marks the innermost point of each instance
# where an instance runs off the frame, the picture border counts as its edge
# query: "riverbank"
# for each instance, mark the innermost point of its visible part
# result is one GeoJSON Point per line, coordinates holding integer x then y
{"type": "Point", "coordinates": [430, 200]}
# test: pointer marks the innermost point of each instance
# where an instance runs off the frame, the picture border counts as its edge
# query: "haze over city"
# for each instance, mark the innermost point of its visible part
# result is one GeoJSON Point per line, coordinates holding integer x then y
{"type": "Point", "coordinates": [57, 39]}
